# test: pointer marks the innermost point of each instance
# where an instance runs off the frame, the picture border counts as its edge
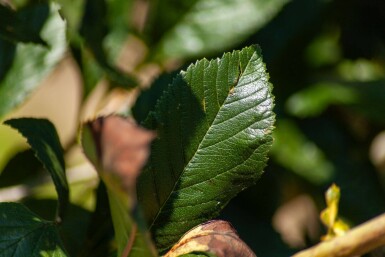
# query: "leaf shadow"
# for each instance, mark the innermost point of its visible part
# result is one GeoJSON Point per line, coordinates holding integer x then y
{"type": "Point", "coordinates": [177, 121]}
{"type": "Point", "coordinates": [28, 23]}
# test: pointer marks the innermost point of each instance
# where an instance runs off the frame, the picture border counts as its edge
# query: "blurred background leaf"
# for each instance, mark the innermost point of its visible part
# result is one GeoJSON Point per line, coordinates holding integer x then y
{"type": "Point", "coordinates": [325, 58]}
{"type": "Point", "coordinates": [27, 64]}
{"type": "Point", "coordinates": [198, 28]}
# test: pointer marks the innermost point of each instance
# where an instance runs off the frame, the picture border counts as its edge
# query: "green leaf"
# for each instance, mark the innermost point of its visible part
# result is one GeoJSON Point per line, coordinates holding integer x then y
{"type": "Point", "coordinates": [163, 15]}
{"type": "Point", "coordinates": [313, 100]}
{"type": "Point", "coordinates": [148, 98]}
{"type": "Point", "coordinates": [214, 127]}
{"type": "Point", "coordinates": [214, 25]}
{"type": "Point", "coordinates": [28, 64]}
{"type": "Point", "coordinates": [295, 152]}
{"type": "Point", "coordinates": [366, 98]}
{"type": "Point", "coordinates": [25, 234]}
{"type": "Point", "coordinates": [16, 29]}
{"type": "Point", "coordinates": [44, 141]}
{"type": "Point", "coordinates": [95, 29]}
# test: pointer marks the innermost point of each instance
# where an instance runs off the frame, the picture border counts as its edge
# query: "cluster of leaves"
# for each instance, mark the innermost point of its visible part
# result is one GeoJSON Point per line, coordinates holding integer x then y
{"type": "Point", "coordinates": [325, 59]}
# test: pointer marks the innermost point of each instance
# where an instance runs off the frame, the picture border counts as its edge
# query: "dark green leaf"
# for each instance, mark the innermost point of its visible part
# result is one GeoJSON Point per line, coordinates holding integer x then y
{"type": "Point", "coordinates": [147, 99]}
{"type": "Point", "coordinates": [30, 63]}
{"type": "Point", "coordinates": [44, 141]}
{"type": "Point", "coordinates": [95, 29]}
{"type": "Point", "coordinates": [214, 127]}
{"type": "Point", "coordinates": [214, 25]}
{"type": "Point", "coordinates": [164, 15]}
{"type": "Point", "coordinates": [16, 29]}
{"type": "Point", "coordinates": [100, 233]}
{"type": "Point", "coordinates": [25, 234]}
{"type": "Point", "coordinates": [23, 167]}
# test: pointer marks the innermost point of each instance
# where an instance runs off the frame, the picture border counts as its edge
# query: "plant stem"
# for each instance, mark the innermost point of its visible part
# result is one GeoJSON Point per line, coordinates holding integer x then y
{"type": "Point", "coordinates": [360, 240]}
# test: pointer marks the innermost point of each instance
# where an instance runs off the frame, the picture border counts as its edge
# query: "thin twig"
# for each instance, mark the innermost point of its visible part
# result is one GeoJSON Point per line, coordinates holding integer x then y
{"type": "Point", "coordinates": [360, 240]}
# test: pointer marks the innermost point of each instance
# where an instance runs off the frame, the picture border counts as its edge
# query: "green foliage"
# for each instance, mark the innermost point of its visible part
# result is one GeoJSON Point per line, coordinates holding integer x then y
{"type": "Point", "coordinates": [205, 26]}
{"type": "Point", "coordinates": [13, 28]}
{"type": "Point", "coordinates": [25, 234]}
{"type": "Point", "coordinates": [294, 152]}
{"type": "Point", "coordinates": [23, 66]}
{"type": "Point", "coordinates": [42, 137]}
{"type": "Point", "coordinates": [325, 59]}
{"type": "Point", "coordinates": [197, 159]}
{"type": "Point", "coordinates": [94, 33]}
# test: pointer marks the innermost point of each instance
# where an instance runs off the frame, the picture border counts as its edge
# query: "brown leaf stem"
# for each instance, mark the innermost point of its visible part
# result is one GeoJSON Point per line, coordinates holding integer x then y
{"type": "Point", "coordinates": [130, 242]}
{"type": "Point", "coordinates": [360, 240]}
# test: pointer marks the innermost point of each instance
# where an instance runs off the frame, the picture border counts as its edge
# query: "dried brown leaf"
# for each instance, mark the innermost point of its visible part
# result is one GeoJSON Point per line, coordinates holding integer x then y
{"type": "Point", "coordinates": [122, 149]}
{"type": "Point", "coordinates": [217, 237]}
{"type": "Point", "coordinates": [119, 148]}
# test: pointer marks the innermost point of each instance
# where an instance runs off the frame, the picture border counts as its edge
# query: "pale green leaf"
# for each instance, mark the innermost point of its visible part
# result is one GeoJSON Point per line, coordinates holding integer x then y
{"type": "Point", "coordinates": [214, 25]}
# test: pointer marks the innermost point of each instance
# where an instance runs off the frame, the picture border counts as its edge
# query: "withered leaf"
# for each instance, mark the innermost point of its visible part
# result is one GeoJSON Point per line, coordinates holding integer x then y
{"type": "Point", "coordinates": [122, 149]}
{"type": "Point", "coordinates": [118, 149]}
{"type": "Point", "coordinates": [216, 236]}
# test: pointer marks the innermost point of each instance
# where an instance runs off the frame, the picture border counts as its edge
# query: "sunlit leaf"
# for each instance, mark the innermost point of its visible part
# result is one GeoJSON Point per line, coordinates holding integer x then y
{"type": "Point", "coordinates": [44, 141]}
{"type": "Point", "coordinates": [217, 237]}
{"type": "Point", "coordinates": [329, 216]}
{"type": "Point", "coordinates": [214, 126]}
{"type": "Point", "coordinates": [332, 196]}
{"type": "Point", "coordinates": [211, 25]}
{"type": "Point", "coordinates": [30, 63]}
{"type": "Point", "coordinates": [25, 234]}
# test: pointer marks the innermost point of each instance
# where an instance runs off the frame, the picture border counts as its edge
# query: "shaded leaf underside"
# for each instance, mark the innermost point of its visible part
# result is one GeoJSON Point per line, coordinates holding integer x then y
{"type": "Point", "coordinates": [25, 234]}
{"type": "Point", "coordinates": [44, 141]}
{"type": "Point", "coordinates": [214, 128]}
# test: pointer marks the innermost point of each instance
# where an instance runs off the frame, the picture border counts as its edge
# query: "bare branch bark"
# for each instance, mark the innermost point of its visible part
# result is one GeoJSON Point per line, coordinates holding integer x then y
{"type": "Point", "coordinates": [360, 240]}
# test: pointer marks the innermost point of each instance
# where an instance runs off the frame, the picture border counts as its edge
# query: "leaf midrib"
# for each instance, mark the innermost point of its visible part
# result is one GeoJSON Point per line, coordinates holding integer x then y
{"type": "Point", "coordinates": [22, 237]}
{"type": "Point", "coordinates": [241, 73]}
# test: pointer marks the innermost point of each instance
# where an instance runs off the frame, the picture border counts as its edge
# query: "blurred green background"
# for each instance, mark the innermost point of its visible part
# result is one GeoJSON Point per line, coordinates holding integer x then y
{"type": "Point", "coordinates": [73, 59]}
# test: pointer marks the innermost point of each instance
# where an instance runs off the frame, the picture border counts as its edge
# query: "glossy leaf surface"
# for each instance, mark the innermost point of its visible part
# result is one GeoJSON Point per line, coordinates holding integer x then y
{"type": "Point", "coordinates": [214, 126]}
{"type": "Point", "coordinates": [44, 141]}
{"type": "Point", "coordinates": [25, 234]}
